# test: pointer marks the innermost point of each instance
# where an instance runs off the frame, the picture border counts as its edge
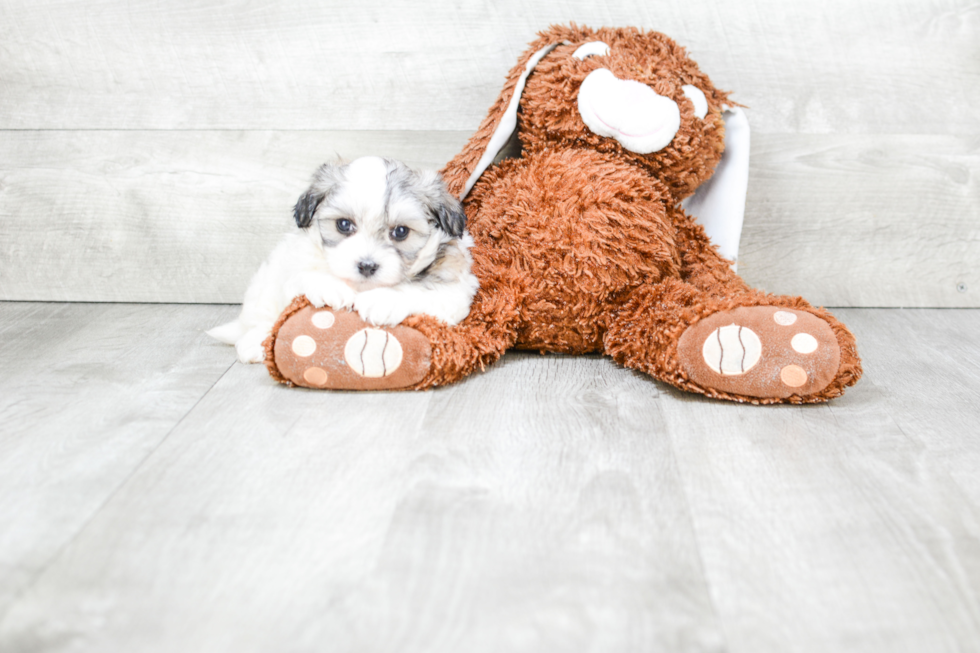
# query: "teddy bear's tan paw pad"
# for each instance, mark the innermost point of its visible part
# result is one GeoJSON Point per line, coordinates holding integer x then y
{"type": "Point", "coordinates": [337, 350]}
{"type": "Point", "coordinates": [761, 351]}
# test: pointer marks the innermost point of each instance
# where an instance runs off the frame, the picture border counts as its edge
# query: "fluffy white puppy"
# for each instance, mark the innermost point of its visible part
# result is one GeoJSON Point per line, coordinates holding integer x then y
{"type": "Point", "coordinates": [377, 237]}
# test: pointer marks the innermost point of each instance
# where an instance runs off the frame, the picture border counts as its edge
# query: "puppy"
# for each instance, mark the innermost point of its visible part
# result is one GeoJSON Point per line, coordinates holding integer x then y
{"type": "Point", "coordinates": [377, 237]}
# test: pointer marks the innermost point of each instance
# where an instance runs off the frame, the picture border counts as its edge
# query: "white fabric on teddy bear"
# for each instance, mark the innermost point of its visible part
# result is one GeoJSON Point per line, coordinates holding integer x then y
{"type": "Point", "coordinates": [719, 203]}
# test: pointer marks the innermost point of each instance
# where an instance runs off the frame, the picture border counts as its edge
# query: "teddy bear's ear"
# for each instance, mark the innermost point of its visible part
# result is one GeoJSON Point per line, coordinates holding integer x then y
{"type": "Point", "coordinates": [719, 203]}
{"type": "Point", "coordinates": [498, 127]}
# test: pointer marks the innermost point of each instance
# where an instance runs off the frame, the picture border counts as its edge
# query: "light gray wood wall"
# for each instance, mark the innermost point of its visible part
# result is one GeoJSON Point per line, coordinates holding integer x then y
{"type": "Point", "coordinates": [152, 151]}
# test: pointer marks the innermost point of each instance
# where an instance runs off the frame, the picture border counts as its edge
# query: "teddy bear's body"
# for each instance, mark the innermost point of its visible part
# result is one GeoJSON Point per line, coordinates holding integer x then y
{"type": "Point", "coordinates": [581, 244]}
{"type": "Point", "coordinates": [570, 225]}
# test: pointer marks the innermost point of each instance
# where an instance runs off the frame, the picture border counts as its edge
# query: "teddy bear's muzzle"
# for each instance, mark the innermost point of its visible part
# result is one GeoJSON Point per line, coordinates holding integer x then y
{"type": "Point", "coordinates": [628, 111]}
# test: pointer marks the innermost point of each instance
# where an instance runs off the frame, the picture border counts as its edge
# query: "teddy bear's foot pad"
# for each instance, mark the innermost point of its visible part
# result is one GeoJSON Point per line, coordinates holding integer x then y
{"type": "Point", "coordinates": [337, 350]}
{"type": "Point", "coordinates": [761, 351]}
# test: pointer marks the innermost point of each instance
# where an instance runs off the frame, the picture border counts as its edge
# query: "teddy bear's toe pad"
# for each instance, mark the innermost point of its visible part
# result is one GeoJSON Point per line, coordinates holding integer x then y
{"type": "Point", "coordinates": [322, 348]}
{"type": "Point", "coordinates": [761, 351]}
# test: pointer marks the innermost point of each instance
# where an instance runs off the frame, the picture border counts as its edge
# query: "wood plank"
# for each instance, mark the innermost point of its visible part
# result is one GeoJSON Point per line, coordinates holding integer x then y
{"type": "Point", "coordinates": [535, 507]}
{"type": "Point", "coordinates": [847, 526]}
{"type": "Point", "coordinates": [933, 392]}
{"type": "Point", "coordinates": [872, 220]}
{"type": "Point", "coordinates": [87, 392]}
{"type": "Point", "coordinates": [865, 220]}
{"type": "Point", "coordinates": [840, 67]}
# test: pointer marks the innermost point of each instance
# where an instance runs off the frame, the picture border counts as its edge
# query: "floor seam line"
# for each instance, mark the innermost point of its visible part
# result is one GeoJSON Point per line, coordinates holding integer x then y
{"type": "Point", "coordinates": [697, 539]}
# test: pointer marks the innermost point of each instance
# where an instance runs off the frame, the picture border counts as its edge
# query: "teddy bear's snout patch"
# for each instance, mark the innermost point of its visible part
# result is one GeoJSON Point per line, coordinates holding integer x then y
{"type": "Point", "coordinates": [628, 111]}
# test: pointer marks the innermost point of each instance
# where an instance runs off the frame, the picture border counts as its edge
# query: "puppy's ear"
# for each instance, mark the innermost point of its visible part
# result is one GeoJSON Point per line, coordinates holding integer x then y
{"type": "Point", "coordinates": [325, 181]}
{"type": "Point", "coordinates": [306, 207]}
{"type": "Point", "coordinates": [450, 216]}
{"type": "Point", "coordinates": [443, 207]}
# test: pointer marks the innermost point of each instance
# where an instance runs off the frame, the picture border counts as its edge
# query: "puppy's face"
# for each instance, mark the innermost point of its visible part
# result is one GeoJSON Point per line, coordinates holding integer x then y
{"type": "Point", "coordinates": [378, 222]}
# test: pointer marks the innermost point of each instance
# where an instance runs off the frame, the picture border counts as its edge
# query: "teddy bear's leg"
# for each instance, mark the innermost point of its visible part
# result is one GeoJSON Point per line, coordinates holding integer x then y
{"type": "Point", "coordinates": [746, 347]}
{"type": "Point", "coordinates": [335, 349]}
{"type": "Point", "coordinates": [460, 350]}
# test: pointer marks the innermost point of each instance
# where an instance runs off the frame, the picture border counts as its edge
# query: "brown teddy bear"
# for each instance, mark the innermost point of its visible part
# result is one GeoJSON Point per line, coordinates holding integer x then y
{"type": "Point", "coordinates": [581, 244]}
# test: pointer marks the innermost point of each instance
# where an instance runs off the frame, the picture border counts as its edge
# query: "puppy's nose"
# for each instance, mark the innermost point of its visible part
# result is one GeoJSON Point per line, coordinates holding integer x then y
{"type": "Point", "coordinates": [367, 268]}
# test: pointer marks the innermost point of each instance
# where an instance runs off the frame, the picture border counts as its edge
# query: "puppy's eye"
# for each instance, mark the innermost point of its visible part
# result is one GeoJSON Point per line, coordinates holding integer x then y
{"type": "Point", "coordinates": [400, 232]}
{"type": "Point", "coordinates": [345, 226]}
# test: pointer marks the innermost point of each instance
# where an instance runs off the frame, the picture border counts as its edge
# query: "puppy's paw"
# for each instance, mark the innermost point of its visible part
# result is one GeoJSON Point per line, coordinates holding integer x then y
{"type": "Point", "coordinates": [335, 296]}
{"type": "Point", "coordinates": [321, 290]}
{"type": "Point", "coordinates": [250, 354]}
{"type": "Point", "coordinates": [382, 306]}
{"type": "Point", "coordinates": [249, 347]}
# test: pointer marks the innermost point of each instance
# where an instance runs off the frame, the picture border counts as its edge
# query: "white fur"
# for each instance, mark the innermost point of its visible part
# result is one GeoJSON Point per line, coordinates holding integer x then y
{"type": "Point", "coordinates": [303, 264]}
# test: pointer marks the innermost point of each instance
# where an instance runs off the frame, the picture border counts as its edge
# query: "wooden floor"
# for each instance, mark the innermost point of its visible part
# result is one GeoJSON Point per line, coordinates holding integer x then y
{"type": "Point", "coordinates": [157, 496]}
